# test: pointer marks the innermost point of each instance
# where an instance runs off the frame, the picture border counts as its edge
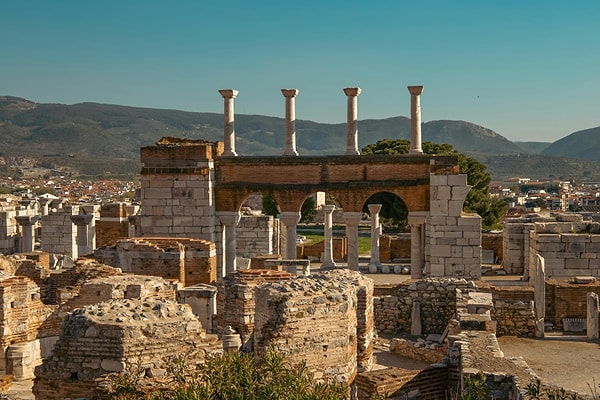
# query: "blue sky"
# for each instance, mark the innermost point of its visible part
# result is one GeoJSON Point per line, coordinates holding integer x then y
{"type": "Point", "coordinates": [529, 70]}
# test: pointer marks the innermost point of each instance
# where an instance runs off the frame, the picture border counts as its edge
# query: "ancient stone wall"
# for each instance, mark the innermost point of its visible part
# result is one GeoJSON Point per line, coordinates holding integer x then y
{"type": "Point", "coordinates": [567, 300]}
{"type": "Point", "coordinates": [257, 235]}
{"type": "Point", "coordinates": [394, 247]}
{"type": "Point", "coordinates": [494, 242]}
{"type": "Point", "coordinates": [21, 310]}
{"type": "Point", "coordinates": [113, 223]}
{"type": "Point", "coordinates": [324, 319]}
{"type": "Point", "coordinates": [453, 240]}
{"type": "Point", "coordinates": [190, 261]}
{"type": "Point", "coordinates": [58, 231]}
{"type": "Point", "coordinates": [236, 300]}
{"type": "Point", "coordinates": [117, 336]}
{"type": "Point", "coordinates": [437, 298]}
{"type": "Point", "coordinates": [397, 383]}
{"type": "Point", "coordinates": [9, 237]}
{"type": "Point", "coordinates": [339, 249]}
{"type": "Point", "coordinates": [513, 310]}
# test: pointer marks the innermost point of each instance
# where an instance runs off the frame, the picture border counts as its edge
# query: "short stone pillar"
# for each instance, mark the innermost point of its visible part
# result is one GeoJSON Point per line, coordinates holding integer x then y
{"type": "Point", "coordinates": [82, 221]}
{"type": "Point", "coordinates": [27, 222]}
{"type": "Point", "coordinates": [18, 362]}
{"type": "Point", "coordinates": [415, 319]}
{"type": "Point", "coordinates": [417, 248]}
{"type": "Point", "coordinates": [593, 308]}
{"type": "Point", "coordinates": [352, 220]}
{"type": "Point", "coordinates": [134, 225]}
{"type": "Point", "coordinates": [232, 341]}
{"type": "Point", "coordinates": [415, 119]}
{"type": "Point", "coordinates": [228, 116]}
{"type": "Point", "coordinates": [290, 221]}
{"type": "Point", "coordinates": [375, 233]}
{"type": "Point", "coordinates": [229, 220]}
{"type": "Point", "coordinates": [290, 121]}
{"type": "Point", "coordinates": [327, 261]}
{"type": "Point", "coordinates": [352, 121]}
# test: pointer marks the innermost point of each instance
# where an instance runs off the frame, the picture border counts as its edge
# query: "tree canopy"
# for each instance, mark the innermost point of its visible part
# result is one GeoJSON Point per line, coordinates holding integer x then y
{"type": "Point", "coordinates": [478, 200]}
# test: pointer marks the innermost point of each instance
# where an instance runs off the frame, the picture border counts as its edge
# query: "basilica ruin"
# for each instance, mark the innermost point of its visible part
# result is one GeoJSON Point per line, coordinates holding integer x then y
{"type": "Point", "coordinates": [189, 273]}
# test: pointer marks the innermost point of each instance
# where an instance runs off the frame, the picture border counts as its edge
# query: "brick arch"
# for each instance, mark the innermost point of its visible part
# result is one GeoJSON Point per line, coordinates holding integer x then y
{"type": "Point", "coordinates": [351, 179]}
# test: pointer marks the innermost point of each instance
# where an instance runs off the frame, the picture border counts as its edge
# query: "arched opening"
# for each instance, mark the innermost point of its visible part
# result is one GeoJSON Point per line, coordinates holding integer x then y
{"type": "Point", "coordinates": [393, 215]}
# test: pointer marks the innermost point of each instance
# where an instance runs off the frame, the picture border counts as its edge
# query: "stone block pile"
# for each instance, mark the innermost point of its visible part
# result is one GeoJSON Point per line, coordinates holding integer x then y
{"type": "Point", "coordinates": [319, 319]}
{"type": "Point", "coordinates": [126, 335]}
{"type": "Point", "coordinates": [59, 233]}
{"type": "Point", "coordinates": [256, 235]}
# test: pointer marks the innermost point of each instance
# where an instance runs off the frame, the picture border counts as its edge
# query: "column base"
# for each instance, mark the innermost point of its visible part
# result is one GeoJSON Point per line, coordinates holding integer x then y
{"type": "Point", "coordinates": [229, 153]}
{"type": "Point", "coordinates": [290, 153]}
{"type": "Point", "coordinates": [327, 265]}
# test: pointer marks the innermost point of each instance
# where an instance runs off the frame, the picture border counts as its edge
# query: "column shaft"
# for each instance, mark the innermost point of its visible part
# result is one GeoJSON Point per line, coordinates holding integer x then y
{"type": "Point", "coordinates": [415, 119]}
{"type": "Point", "coordinates": [290, 121]}
{"type": "Point", "coordinates": [290, 221]}
{"type": "Point", "coordinates": [228, 116]}
{"type": "Point", "coordinates": [375, 233]}
{"type": "Point", "coordinates": [352, 121]}
{"type": "Point", "coordinates": [352, 220]}
{"type": "Point", "coordinates": [229, 220]}
{"type": "Point", "coordinates": [82, 222]}
{"type": "Point", "coordinates": [27, 222]}
{"type": "Point", "coordinates": [328, 225]}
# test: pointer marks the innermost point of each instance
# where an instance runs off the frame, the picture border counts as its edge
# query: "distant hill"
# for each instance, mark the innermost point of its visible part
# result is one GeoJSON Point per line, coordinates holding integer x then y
{"type": "Point", "coordinates": [533, 147]}
{"type": "Point", "coordinates": [99, 140]}
{"type": "Point", "coordinates": [584, 145]}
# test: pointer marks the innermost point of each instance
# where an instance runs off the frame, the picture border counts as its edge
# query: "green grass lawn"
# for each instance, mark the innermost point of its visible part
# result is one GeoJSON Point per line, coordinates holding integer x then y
{"type": "Point", "coordinates": [364, 242]}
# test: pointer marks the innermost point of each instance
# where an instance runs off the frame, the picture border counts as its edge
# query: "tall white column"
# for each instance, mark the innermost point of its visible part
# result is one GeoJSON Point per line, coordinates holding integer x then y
{"type": "Point", "coordinates": [375, 232]}
{"type": "Point", "coordinates": [229, 129]}
{"type": "Point", "coordinates": [592, 316]}
{"type": "Point", "coordinates": [417, 248]}
{"type": "Point", "coordinates": [415, 119]}
{"type": "Point", "coordinates": [290, 121]}
{"type": "Point", "coordinates": [229, 220]}
{"type": "Point", "coordinates": [328, 225]}
{"type": "Point", "coordinates": [352, 220]}
{"type": "Point", "coordinates": [26, 222]}
{"type": "Point", "coordinates": [290, 221]}
{"type": "Point", "coordinates": [352, 121]}
{"type": "Point", "coordinates": [82, 221]}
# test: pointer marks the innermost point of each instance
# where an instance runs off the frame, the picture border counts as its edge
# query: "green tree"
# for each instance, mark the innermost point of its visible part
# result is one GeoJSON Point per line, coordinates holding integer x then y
{"type": "Point", "coordinates": [478, 200]}
{"type": "Point", "coordinates": [307, 212]}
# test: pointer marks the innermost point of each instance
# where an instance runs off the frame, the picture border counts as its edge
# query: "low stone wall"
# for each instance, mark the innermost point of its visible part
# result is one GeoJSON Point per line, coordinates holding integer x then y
{"type": "Point", "coordinates": [257, 234]}
{"type": "Point", "coordinates": [420, 350]}
{"type": "Point", "coordinates": [339, 249]}
{"type": "Point", "coordinates": [567, 300]}
{"type": "Point", "coordinates": [437, 298]}
{"type": "Point", "coordinates": [397, 383]}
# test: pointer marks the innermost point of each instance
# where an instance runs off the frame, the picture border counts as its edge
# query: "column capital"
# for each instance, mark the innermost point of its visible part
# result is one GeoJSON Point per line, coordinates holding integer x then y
{"type": "Point", "coordinates": [290, 92]}
{"type": "Point", "coordinates": [81, 219]}
{"type": "Point", "coordinates": [228, 93]}
{"type": "Point", "coordinates": [328, 208]}
{"type": "Point", "coordinates": [290, 217]}
{"type": "Point", "coordinates": [352, 91]}
{"type": "Point", "coordinates": [415, 90]}
{"type": "Point", "coordinates": [374, 208]}
{"type": "Point", "coordinates": [229, 218]}
{"type": "Point", "coordinates": [352, 217]}
{"type": "Point", "coordinates": [27, 219]}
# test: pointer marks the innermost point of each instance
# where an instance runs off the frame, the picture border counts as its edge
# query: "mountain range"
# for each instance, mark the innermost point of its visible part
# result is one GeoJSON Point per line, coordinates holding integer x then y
{"type": "Point", "coordinates": [99, 140]}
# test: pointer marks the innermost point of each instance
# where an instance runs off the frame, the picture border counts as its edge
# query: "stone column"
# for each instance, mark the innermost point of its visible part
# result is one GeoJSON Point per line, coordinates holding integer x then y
{"type": "Point", "coordinates": [352, 124]}
{"type": "Point", "coordinates": [415, 119]}
{"type": "Point", "coordinates": [290, 220]}
{"type": "Point", "coordinates": [417, 248]}
{"type": "Point", "coordinates": [134, 225]}
{"type": "Point", "coordinates": [539, 296]}
{"type": "Point", "coordinates": [228, 130]}
{"type": "Point", "coordinates": [290, 122]}
{"type": "Point", "coordinates": [327, 225]}
{"type": "Point", "coordinates": [592, 316]}
{"type": "Point", "coordinates": [27, 222]}
{"type": "Point", "coordinates": [44, 203]}
{"type": "Point", "coordinates": [352, 220]}
{"type": "Point", "coordinates": [375, 233]}
{"type": "Point", "coordinates": [82, 221]}
{"type": "Point", "coordinates": [229, 220]}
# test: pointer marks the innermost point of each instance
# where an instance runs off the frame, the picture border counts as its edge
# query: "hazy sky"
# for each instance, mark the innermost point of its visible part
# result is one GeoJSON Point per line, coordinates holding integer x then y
{"type": "Point", "coordinates": [529, 70]}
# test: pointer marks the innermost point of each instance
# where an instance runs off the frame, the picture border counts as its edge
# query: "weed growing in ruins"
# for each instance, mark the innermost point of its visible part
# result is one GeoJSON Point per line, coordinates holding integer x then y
{"type": "Point", "coordinates": [535, 391]}
{"type": "Point", "coordinates": [239, 376]}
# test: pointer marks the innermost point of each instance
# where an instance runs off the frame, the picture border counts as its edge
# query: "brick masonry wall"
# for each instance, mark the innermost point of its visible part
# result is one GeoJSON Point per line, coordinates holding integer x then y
{"type": "Point", "coordinates": [255, 235]}
{"type": "Point", "coordinates": [116, 336]}
{"type": "Point", "coordinates": [321, 319]}
{"type": "Point", "coordinates": [567, 300]}
{"type": "Point", "coordinates": [397, 383]}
